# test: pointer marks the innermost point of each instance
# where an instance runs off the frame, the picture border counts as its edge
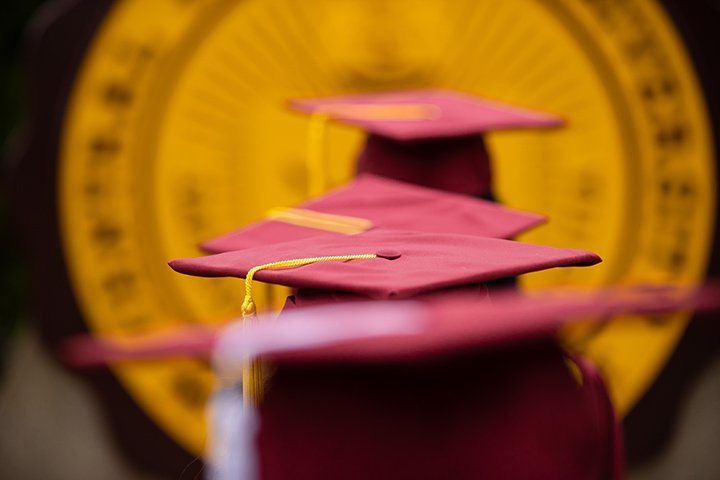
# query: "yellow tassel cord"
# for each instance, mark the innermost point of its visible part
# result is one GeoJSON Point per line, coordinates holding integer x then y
{"type": "Point", "coordinates": [318, 126]}
{"type": "Point", "coordinates": [320, 221]}
{"type": "Point", "coordinates": [252, 374]}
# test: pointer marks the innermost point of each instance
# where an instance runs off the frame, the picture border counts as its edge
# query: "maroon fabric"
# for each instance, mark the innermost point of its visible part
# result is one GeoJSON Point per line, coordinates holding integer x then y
{"type": "Point", "coordinates": [460, 165]}
{"type": "Point", "coordinates": [593, 380]}
{"type": "Point", "coordinates": [409, 263]}
{"type": "Point", "coordinates": [389, 204]}
{"type": "Point", "coordinates": [302, 298]}
{"type": "Point", "coordinates": [514, 413]}
{"type": "Point", "coordinates": [458, 322]}
{"type": "Point", "coordinates": [448, 323]}
{"type": "Point", "coordinates": [455, 114]}
{"type": "Point", "coordinates": [181, 342]}
{"type": "Point", "coordinates": [445, 150]}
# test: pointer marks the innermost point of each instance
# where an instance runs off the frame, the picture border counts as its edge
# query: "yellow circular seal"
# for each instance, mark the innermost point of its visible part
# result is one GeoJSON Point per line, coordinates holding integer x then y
{"type": "Point", "coordinates": [176, 131]}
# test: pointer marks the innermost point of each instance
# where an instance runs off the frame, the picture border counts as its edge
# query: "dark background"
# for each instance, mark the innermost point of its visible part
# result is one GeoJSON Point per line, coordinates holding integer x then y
{"type": "Point", "coordinates": [13, 278]}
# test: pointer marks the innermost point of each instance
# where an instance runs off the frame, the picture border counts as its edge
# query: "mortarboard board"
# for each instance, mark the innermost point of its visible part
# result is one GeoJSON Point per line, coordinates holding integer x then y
{"type": "Point", "coordinates": [371, 201]}
{"type": "Point", "coordinates": [364, 331]}
{"type": "Point", "coordinates": [393, 263]}
{"type": "Point", "coordinates": [427, 137]}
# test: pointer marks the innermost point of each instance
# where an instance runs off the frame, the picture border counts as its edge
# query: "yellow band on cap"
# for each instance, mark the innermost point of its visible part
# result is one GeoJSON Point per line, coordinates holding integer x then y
{"type": "Point", "coordinates": [321, 221]}
{"type": "Point", "coordinates": [381, 111]}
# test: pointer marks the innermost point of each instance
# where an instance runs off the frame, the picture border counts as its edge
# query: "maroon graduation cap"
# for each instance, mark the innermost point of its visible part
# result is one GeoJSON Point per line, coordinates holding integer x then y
{"type": "Point", "coordinates": [427, 137]}
{"type": "Point", "coordinates": [374, 202]}
{"type": "Point", "coordinates": [453, 388]}
{"type": "Point", "coordinates": [385, 263]}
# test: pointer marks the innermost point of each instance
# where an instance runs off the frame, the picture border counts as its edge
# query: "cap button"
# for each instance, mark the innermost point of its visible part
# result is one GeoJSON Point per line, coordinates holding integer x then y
{"type": "Point", "coordinates": [388, 254]}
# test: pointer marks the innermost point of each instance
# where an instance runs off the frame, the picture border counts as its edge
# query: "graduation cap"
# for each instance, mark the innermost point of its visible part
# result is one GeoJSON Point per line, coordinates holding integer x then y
{"type": "Point", "coordinates": [374, 202]}
{"type": "Point", "coordinates": [385, 263]}
{"type": "Point", "coordinates": [379, 263]}
{"type": "Point", "coordinates": [452, 388]}
{"type": "Point", "coordinates": [427, 137]}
